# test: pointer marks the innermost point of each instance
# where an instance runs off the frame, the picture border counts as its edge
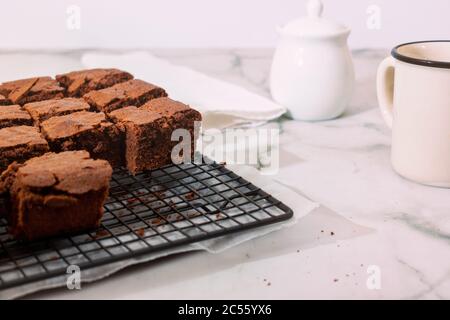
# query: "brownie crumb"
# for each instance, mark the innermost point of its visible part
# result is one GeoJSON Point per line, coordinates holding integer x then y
{"type": "Point", "coordinates": [336, 280]}
{"type": "Point", "coordinates": [140, 232]}
{"type": "Point", "coordinates": [193, 215]}
{"type": "Point", "coordinates": [130, 93]}
{"type": "Point", "coordinates": [78, 83]}
{"type": "Point", "coordinates": [101, 234]}
{"type": "Point", "coordinates": [219, 216]}
{"type": "Point", "coordinates": [132, 200]}
{"type": "Point", "coordinates": [157, 221]}
{"type": "Point", "coordinates": [190, 196]}
{"type": "Point", "coordinates": [332, 233]}
{"type": "Point", "coordinates": [160, 193]}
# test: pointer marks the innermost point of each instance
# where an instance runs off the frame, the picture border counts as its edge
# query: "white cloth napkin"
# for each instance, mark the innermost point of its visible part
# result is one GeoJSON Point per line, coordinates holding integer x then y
{"type": "Point", "coordinates": [222, 104]}
{"type": "Point", "coordinates": [296, 201]}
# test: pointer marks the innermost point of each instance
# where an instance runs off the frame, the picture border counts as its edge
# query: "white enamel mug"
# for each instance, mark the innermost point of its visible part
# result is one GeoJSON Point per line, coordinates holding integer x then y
{"type": "Point", "coordinates": [413, 88]}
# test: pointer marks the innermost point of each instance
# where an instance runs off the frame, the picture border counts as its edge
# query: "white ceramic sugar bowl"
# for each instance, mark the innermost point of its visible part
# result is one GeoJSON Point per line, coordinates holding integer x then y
{"type": "Point", "coordinates": [312, 71]}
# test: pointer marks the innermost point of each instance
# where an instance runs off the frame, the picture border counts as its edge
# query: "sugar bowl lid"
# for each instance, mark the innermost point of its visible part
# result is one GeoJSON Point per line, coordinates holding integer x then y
{"type": "Point", "coordinates": [314, 25]}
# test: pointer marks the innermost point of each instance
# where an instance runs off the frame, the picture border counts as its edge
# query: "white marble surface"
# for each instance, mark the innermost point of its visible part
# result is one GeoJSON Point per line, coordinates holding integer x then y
{"type": "Point", "coordinates": [369, 215]}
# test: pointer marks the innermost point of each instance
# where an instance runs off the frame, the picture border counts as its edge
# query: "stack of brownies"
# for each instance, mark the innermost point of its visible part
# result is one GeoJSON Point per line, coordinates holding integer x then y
{"type": "Point", "coordinates": [55, 135]}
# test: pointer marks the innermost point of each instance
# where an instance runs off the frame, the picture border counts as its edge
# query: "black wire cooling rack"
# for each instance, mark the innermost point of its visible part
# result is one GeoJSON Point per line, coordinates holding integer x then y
{"type": "Point", "coordinates": [164, 208]}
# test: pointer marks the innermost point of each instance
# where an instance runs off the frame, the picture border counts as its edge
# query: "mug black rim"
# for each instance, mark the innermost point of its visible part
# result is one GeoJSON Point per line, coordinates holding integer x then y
{"type": "Point", "coordinates": [420, 62]}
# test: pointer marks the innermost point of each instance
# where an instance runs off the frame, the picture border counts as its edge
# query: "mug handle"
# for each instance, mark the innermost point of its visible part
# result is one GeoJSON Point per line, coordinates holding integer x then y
{"type": "Point", "coordinates": [385, 89]}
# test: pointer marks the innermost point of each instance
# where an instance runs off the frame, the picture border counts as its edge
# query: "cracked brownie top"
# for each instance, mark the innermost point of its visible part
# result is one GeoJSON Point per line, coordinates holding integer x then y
{"type": "Point", "coordinates": [46, 109]}
{"type": "Point", "coordinates": [72, 124]}
{"type": "Point", "coordinates": [31, 89]}
{"type": "Point", "coordinates": [78, 83]}
{"type": "Point", "coordinates": [131, 93]}
{"type": "Point", "coordinates": [73, 172]}
{"type": "Point", "coordinates": [20, 135]}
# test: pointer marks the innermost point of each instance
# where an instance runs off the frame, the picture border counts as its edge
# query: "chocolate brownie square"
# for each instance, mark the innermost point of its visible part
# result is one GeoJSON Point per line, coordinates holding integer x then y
{"type": "Point", "coordinates": [20, 144]}
{"type": "Point", "coordinates": [179, 115]}
{"type": "Point", "coordinates": [85, 131]}
{"type": "Point", "coordinates": [147, 142]}
{"type": "Point", "coordinates": [32, 89]}
{"type": "Point", "coordinates": [44, 110]}
{"type": "Point", "coordinates": [14, 115]}
{"type": "Point", "coordinates": [78, 83]}
{"type": "Point", "coordinates": [131, 93]}
{"type": "Point", "coordinates": [56, 194]}
{"type": "Point", "coordinates": [4, 101]}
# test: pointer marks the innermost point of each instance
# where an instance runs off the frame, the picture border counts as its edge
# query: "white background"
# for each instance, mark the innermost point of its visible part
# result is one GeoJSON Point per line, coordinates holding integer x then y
{"type": "Point", "coordinates": [207, 23]}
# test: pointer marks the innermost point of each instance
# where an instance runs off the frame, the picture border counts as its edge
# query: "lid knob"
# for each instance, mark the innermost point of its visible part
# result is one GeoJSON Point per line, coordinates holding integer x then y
{"type": "Point", "coordinates": [315, 8]}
